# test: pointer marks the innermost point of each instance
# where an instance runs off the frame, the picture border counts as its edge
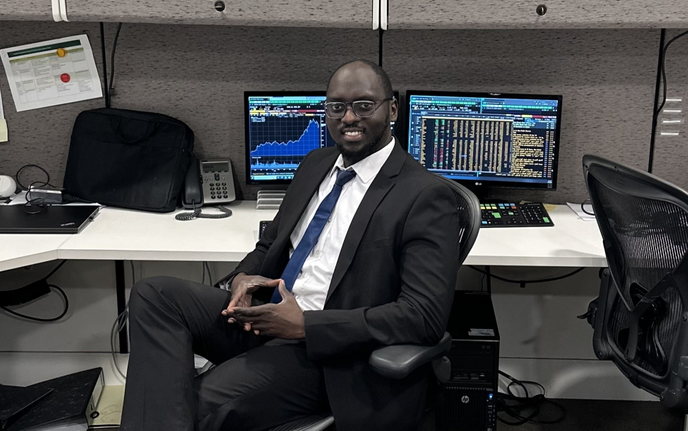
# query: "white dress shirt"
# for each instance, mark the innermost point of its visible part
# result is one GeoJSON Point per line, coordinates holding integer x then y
{"type": "Point", "coordinates": [311, 286]}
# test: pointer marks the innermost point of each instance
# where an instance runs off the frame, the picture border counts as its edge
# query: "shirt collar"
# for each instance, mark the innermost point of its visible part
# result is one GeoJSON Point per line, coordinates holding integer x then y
{"type": "Point", "coordinates": [368, 168]}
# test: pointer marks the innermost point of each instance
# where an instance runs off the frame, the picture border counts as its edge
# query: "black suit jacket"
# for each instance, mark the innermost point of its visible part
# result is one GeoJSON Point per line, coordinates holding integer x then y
{"type": "Point", "coordinates": [393, 284]}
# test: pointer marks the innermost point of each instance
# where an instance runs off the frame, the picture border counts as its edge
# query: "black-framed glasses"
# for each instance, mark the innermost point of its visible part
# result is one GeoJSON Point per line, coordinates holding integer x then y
{"type": "Point", "coordinates": [362, 108]}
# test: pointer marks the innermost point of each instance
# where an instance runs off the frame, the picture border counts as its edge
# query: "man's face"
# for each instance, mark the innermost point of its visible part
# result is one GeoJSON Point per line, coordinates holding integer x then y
{"type": "Point", "coordinates": [358, 137]}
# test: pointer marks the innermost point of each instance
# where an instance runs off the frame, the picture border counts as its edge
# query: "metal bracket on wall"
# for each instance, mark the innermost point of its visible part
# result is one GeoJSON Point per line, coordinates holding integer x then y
{"type": "Point", "coordinates": [376, 14]}
{"type": "Point", "coordinates": [59, 9]}
{"type": "Point", "coordinates": [384, 14]}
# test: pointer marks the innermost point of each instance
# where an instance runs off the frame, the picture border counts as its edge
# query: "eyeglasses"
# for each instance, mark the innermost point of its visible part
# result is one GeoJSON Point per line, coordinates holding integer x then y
{"type": "Point", "coordinates": [362, 108]}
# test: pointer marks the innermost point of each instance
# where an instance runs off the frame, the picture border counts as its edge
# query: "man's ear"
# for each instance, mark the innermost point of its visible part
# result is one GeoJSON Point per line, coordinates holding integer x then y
{"type": "Point", "coordinates": [394, 109]}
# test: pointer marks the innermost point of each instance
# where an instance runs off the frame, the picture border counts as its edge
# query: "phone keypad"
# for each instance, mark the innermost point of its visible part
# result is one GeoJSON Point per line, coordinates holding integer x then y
{"type": "Point", "coordinates": [216, 175]}
{"type": "Point", "coordinates": [218, 190]}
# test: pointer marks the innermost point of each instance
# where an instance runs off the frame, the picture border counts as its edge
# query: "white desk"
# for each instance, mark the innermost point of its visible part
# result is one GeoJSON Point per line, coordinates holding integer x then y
{"type": "Point", "coordinates": [118, 234]}
{"type": "Point", "coordinates": [23, 250]}
{"type": "Point", "coordinates": [570, 242]}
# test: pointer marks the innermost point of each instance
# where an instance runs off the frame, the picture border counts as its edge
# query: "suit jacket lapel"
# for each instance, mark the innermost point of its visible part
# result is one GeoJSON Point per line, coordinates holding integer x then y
{"type": "Point", "coordinates": [381, 185]}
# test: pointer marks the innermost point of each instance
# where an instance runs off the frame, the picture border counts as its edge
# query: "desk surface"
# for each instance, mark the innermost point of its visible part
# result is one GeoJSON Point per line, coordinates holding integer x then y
{"type": "Point", "coordinates": [133, 235]}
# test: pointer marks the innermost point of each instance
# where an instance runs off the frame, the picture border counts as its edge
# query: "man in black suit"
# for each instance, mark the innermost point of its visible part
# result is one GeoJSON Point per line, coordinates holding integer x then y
{"type": "Point", "coordinates": [382, 272]}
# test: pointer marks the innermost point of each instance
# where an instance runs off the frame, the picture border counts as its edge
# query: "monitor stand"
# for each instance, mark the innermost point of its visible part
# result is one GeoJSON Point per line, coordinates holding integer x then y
{"type": "Point", "coordinates": [270, 199]}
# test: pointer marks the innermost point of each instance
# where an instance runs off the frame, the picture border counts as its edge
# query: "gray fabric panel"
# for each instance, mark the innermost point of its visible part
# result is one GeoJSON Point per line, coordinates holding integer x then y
{"type": "Point", "coordinates": [194, 73]}
{"type": "Point", "coordinates": [606, 77]}
{"type": "Point", "coordinates": [198, 74]}
{"type": "Point", "coordinates": [26, 10]}
{"type": "Point", "coordinates": [514, 14]}
{"type": "Point", "coordinates": [671, 152]}
{"type": "Point", "coordinates": [292, 13]}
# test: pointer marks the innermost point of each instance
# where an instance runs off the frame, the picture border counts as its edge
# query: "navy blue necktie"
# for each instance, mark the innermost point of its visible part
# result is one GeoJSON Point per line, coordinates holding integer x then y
{"type": "Point", "coordinates": [310, 238]}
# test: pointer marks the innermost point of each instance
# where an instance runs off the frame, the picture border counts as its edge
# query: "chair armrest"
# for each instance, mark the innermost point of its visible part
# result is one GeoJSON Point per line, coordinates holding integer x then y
{"type": "Point", "coordinates": [396, 362]}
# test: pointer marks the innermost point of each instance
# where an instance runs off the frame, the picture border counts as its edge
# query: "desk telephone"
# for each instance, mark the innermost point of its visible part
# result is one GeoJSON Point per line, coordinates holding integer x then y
{"type": "Point", "coordinates": [207, 182]}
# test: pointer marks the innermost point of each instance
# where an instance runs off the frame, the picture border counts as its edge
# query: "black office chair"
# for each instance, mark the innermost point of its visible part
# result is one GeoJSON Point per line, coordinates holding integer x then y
{"type": "Point", "coordinates": [640, 318]}
{"type": "Point", "coordinates": [396, 362]}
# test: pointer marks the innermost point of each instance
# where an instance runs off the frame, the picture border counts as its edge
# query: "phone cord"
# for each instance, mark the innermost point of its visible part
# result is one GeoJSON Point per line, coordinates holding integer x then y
{"type": "Point", "coordinates": [226, 212]}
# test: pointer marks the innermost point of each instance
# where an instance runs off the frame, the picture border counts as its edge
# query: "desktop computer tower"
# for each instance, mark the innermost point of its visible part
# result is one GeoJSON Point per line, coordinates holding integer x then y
{"type": "Point", "coordinates": [468, 401]}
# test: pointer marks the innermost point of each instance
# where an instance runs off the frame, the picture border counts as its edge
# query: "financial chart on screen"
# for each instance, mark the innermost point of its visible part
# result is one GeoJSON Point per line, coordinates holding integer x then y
{"type": "Point", "coordinates": [281, 130]}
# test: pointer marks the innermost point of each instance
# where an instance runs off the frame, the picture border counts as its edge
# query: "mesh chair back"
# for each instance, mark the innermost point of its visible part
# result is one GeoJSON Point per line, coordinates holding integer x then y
{"type": "Point", "coordinates": [639, 323]}
{"type": "Point", "coordinates": [468, 207]}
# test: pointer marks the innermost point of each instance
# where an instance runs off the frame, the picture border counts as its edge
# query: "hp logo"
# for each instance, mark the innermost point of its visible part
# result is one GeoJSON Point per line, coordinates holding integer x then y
{"type": "Point", "coordinates": [465, 399]}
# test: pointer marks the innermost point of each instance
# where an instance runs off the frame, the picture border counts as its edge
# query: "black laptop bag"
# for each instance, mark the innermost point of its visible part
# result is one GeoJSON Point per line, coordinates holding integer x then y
{"type": "Point", "coordinates": [128, 159]}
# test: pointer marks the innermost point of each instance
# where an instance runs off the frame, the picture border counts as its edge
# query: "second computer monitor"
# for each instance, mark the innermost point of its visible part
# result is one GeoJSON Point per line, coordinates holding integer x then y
{"type": "Point", "coordinates": [486, 139]}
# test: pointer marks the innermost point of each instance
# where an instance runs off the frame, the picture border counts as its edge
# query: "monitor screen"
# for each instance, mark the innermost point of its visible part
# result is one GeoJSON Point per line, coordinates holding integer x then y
{"type": "Point", "coordinates": [486, 139]}
{"type": "Point", "coordinates": [281, 128]}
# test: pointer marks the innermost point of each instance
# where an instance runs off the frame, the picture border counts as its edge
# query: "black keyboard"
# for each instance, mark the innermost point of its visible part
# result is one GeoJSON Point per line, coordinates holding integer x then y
{"type": "Point", "coordinates": [504, 214]}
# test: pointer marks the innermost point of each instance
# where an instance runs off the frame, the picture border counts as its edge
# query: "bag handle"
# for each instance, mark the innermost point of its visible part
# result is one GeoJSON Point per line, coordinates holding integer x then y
{"type": "Point", "coordinates": [149, 131]}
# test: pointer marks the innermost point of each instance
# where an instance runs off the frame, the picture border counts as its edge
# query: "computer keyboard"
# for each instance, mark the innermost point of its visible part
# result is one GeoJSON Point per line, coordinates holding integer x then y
{"type": "Point", "coordinates": [504, 214]}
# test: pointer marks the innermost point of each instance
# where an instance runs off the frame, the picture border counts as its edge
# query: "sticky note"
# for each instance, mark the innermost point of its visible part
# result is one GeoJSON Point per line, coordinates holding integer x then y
{"type": "Point", "coordinates": [3, 130]}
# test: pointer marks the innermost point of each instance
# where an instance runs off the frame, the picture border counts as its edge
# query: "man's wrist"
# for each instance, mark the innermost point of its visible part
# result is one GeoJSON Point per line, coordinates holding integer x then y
{"type": "Point", "coordinates": [227, 284]}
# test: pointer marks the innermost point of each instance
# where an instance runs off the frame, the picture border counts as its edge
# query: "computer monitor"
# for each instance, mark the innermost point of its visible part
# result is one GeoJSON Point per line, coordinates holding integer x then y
{"type": "Point", "coordinates": [281, 128]}
{"type": "Point", "coordinates": [486, 140]}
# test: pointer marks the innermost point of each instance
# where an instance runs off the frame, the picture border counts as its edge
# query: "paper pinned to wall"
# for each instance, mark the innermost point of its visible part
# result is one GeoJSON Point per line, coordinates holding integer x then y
{"type": "Point", "coordinates": [3, 124]}
{"type": "Point", "coordinates": [51, 73]}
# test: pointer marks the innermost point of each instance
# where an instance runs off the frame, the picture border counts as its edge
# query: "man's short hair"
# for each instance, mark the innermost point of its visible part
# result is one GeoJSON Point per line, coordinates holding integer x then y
{"type": "Point", "coordinates": [379, 71]}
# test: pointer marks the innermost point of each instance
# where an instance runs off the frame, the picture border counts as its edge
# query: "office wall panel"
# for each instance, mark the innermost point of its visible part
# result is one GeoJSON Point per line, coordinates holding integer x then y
{"type": "Point", "coordinates": [606, 77]}
{"type": "Point", "coordinates": [671, 149]}
{"type": "Point", "coordinates": [41, 136]}
{"type": "Point", "coordinates": [26, 10]}
{"type": "Point", "coordinates": [493, 14]}
{"type": "Point", "coordinates": [195, 73]}
{"type": "Point", "coordinates": [291, 13]}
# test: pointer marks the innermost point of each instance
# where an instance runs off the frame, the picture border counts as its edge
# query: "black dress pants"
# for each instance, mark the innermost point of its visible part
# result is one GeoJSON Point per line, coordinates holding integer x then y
{"type": "Point", "coordinates": [254, 385]}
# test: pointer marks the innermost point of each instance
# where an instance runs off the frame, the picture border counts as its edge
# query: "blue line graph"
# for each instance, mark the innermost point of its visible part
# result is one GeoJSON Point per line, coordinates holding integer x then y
{"type": "Point", "coordinates": [308, 141]}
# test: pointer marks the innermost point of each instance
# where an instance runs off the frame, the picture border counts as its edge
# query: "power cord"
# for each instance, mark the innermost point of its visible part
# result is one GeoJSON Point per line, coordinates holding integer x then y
{"type": "Point", "coordinates": [111, 91]}
{"type": "Point", "coordinates": [592, 213]}
{"type": "Point", "coordinates": [196, 213]}
{"type": "Point", "coordinates": [33, 205]}
{"type": "Point", "coordinates": [43, 288]}
{"type": "Point", "coordinates": [206, 266]}
{"type": "Point", "coordinates": [664, 78]}
{"type": "Point", "coordinates": [523, 283]}
{"type": "Point", "coordinates": [118, 326]}
{"type": "Point", "coordinates": [525, 408]}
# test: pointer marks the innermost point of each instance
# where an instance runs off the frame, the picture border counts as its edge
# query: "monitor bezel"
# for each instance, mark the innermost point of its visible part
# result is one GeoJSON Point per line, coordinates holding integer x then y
{"type": "Point", "coordinates": [247, 139]}
{"type": "Point", "coordinates": [475, 185]}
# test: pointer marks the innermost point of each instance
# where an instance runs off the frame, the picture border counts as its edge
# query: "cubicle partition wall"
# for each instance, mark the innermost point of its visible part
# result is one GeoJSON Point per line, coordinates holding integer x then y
{"type": "Point", "coordinates": [198, 74]}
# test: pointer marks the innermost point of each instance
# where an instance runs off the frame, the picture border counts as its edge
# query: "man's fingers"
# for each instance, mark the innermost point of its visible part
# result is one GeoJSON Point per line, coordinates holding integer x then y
{"type": "Point", "coordinates": [272, 283]}
{"type": "Point", "coordinates": [282, 288]}
{"type": "Point", "coordinates": [232, 304]}
{"type": "Point", "coordinates": [244, 312]}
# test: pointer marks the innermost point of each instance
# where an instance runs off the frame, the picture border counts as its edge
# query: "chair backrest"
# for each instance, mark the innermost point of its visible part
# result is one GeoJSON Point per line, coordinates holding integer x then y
{"type": "Point", "coordinates": [468, 207]}
{"type": "Point", "coordinates": [639, 323]}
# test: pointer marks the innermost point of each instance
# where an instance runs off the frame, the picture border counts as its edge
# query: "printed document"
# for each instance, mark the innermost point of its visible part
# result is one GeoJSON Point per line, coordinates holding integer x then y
{"type": "Point", "coordinates": [51, 73]}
